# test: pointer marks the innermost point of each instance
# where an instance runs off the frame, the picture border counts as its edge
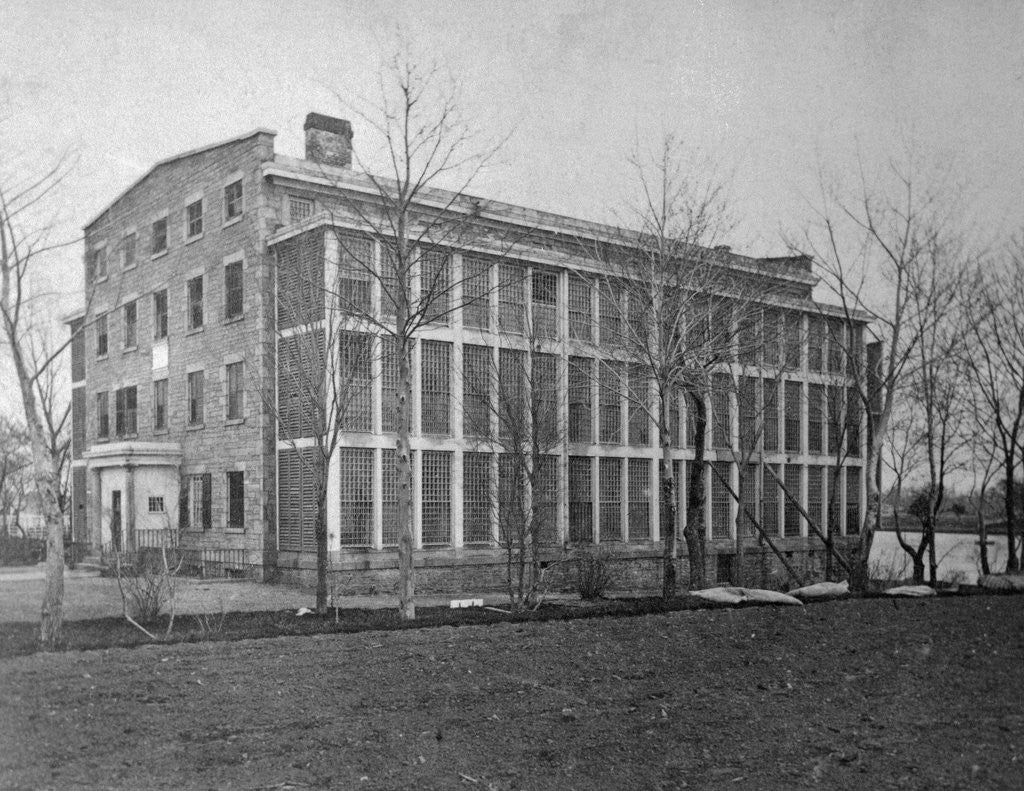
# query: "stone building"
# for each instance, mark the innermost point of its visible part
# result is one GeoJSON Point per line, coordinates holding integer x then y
{"type": "Point", "coordinates": [178, 384]}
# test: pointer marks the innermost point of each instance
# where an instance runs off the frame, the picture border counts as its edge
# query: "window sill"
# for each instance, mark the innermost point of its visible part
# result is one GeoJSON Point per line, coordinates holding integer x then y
{"type": "Point", "coordinates": [190, 239]}
{"type": "Point", "coordinates": [128, 349]}
{"type": "Point", "coordinates": [234, 530]}
{"type": "Point", "coordinates": [194, 331]}
{"type": "Point", "coordinates": [234, 319]}
{"type": "Point", "coordinates": [159, 254]}
{"type": "Point", "coordinates": [101, 357]}
{"type": "Point", "coordinates": [195, 426]}
{"type": "Point", "coordinates": [128, 268]}
{"type": "Point", "coordinates": [237, 421]}
{"type": "Point", "coordinates": [161, 432]}
{"type": "Point", "coordinates": [232, 221]}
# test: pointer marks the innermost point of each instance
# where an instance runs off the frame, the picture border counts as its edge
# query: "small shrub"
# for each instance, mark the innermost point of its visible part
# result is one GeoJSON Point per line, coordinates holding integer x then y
{"type": "Point", "coordinates": [592, 574]}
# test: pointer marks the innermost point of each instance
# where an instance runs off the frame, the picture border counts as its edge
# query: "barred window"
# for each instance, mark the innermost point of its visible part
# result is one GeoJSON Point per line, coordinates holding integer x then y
{"type": "Point", "coordinates": [476, 290]}
{"type": "Point", "coordinates": [674, 418]}
{"type": "Point", "coordinates": [389, 383]}
{"type": "Point", "coordinates": [544, 398]}
{"type": "Point", "coordinates": [698, 326]}
{"type": "Point", "coordinates": [610, 490]}
{"type": "Point", "coordinates": [610, 313]}
{"type": "Point", "coordinates": [545, 301]}
{"type": "Point", "coordinates": [436, 387]}
{"type": "Point", "coordinates": [835, 501]}
{"type": "Point", "coordinates": [815, 418]}
{"type": "Point", "coordinates": [853, 417]}
{"type": "Point", "coordinates": [722, 327]}
{"type": "Point", "coordinates": [815, 344]}
{"type": "Point", "coordinates": [771, 336]}
{"type": "Point", "coordinates": [691, 420]}
{"type": "Point", "coordinates": [437, 497]}
{"type": "Point", "coordinates": [299, 209]}
{"type": "Point", "coordinates": [746, 336]}
{"type": "Point", "coordinates": [476, 388]}
{"type": "Point", "coordinates": [477, 499]}
{"type": "Point", "coordinates": [678, 501]}
{"type": "Point", "coordinates": [746, 401]}
{"type": "Point", "coordinates": [792, 410]}
{"type": "Point", "coordinates": [545, 499]}
{"type": "Point", "coordinates": [639, 490]}
{"type": "Point", "coordinates": [836, 352]}
{"type": "Point", "coordinates": [770, 494]}
{"type": "Point", "coordinates": [721, 501]}
{"type": "Point", "coordinates": [389, 282]}
{"type": "Point", "coordinates": [610, 401]}
{"type": "Point", "coordinates": [792, 341]}
{"type": "Point", "coordinates": [749, 495]}
{"type": "Point", "coordinates": [721, 418]}
{"type": "Point", "coordinates": [356, 493]}
{"type": "Point", "coordinates": [836, 421]}
{"type": "Point", "coordinates": [236, 500]}
{"type": "Point", "coordinates": [581, 502]}
{"type": "Point", "coordinates": [771, 414]}
{"type": "Point", "coordinates": [355, 265]}
{"type": "Point", "coordinates": [234, 302]}
{"type": "Point", "coordinates": [512, 405]}
{"type": "Point", "coordinates": [852, 501]}
{"type": "Point", "coordinates": [435, 284]}
{"type": "Point", "coordinates": [791, 477]}
{"type": "Point", "coordinates": [511, 498]}
{"type": "Point", "coordinates": [389, 493]}
{"type": "Point", "coordinates": [581, 318]}
{"type": "Point", "coordinates": [156, 504]}
{"type": "Point", "coordinates": [580, 424]}
{"type": "Point", "coordinates": [815, 500]}
{"type": "Point", "coordinates": [511, 298]}
{"type": "Point", "coordinates": [638, 405]}
{"type": "Point", "coordinates": [355, 385]}
{"type": "Point", "coordinates": [639, 314]}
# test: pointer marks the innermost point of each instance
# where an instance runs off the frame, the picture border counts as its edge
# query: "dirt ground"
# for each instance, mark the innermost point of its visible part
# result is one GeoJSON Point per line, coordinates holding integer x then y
{"type": "Point", "coordinates": [852, 694]}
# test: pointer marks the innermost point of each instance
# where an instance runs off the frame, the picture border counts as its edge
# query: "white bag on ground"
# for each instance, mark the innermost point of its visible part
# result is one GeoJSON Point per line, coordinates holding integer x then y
{"type": "Point", "coordinates": [770, 597]}
{"type": "Point", "coordinates": [720, 595]}
{"type": "Point", "coordinates": [822, 590]}
{"type": "Point", "coordinates": [740, 595]}
{"type": "Point", "coordinates": [915, 591]}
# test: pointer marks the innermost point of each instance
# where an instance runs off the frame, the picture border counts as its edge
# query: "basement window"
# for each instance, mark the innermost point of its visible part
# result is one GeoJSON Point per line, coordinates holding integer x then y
{"type": "Point", "coordinates": [156, 505]}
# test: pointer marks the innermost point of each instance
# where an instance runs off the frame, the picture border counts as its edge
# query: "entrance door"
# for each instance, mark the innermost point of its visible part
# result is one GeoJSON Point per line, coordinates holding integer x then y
{"type": "Point", "coordinates": [115, 520]}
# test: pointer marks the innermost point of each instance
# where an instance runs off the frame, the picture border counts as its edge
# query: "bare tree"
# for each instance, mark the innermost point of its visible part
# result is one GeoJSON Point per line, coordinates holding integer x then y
{"type": "Point", "coordinates": [512, 403]}
{"type": "Point", "coordinates": [426, 144]}
{"type": "Point", "coordinates": [26, 239]}
{"type": "Point", "coordinates": [14, 461]}
{"type": "Point", "coordinates": [872, 245]}
{"type": "Point", "coordinates": [996, 368]}
{"type": "Point", "coordinates": [672, 306]}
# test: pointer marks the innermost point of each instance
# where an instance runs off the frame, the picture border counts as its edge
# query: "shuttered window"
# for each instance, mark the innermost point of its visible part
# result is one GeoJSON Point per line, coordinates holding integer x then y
{"type": "Point", "coordinates": [298, 471]}
{"type": "Point", "coordinates": [300, 384]}
{"type": "Point", "coordinates": [300, 279]}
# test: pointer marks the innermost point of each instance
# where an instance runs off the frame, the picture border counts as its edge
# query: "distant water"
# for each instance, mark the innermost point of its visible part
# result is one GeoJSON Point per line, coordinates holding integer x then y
{"type": "Point", "coordinates": [957, 553]}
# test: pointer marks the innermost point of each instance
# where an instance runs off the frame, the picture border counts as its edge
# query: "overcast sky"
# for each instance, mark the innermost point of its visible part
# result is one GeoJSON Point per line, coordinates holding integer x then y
{"type": "Point", "coordinates": [771, 89]}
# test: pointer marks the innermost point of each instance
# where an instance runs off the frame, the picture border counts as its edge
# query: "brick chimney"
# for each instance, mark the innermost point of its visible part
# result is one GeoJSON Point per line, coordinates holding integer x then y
{"type": "Point", "coordinates": [328, 140]}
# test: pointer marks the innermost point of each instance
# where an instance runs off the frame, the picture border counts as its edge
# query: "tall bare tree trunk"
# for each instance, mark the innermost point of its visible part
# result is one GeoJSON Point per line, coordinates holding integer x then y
{"type": "Point", "coordinates": [694, 530]}
{"type": "Point", "coordinates": [1010, 507]}
{"type": "Point", "coordinates": [668, 509]}
{"type": "Point", "coordinates": [406, 569]}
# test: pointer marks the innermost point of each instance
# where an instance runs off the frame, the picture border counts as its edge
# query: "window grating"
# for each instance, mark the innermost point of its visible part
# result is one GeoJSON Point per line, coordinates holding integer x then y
{"type": "Point", "coordinates": [720, 501]}
{"type": "Point", "coordinates": [853, 417]}
{"type": "Point", "coordinates": [639, 490]}
{"type": "Point", "coordinates": [389, 384]}
{"type": "Point", "coordinates": [852, 501]}
{"type": "Point", "coordinates": [355, 386]}
{"type": "Point", "coordinates": [721, 418]}
{"type": "Point", "coordinates": [610, 400]}
{"type": "Point", "coordinates": [356, 497]}
{"type": "Point", "coordinates": [477, 499]}
{"type": "Point", "coordinates": [815, 418]}
{"type": "Point", "coordinates": [770, 507]}
{"type": "Point", "coordinates": [792, 412]}
{"type": "Point", "coordinates": [792, 341]}
{"type": "Point", "coordinates": [544, 398]}
{"type": "Point", "coordinates": [746, 336]}
{"type": "Point", "coordinates": [476, 387]}
{"type": "Point", "coordinates": [638, 405]}
{"type": "Point", "coordinates": [436, 387]}
{"type": "Point", "coordinates": [299, 209]}
{"type": "Point", "coordinates": [580, 409]}
{"type": "Point", "coordinates": [512, 405]}
{"type": "Point", "coordinates": [476, 289]}
{"type": "Point", "coordinates": [435, 286]}
{"type": "Point", "coordinates": [791, 477]}
{"type": "Point", "coordinates": [545, 500]}
{"type": "Point", "coordinates": [815, 501]}
{"type": "Point", "coordinates": [815, 344]}
{"type": "Point", "coordinates": [746, 403]}
{"type": "Point", "coordinates": [355, 268]}
{"type": "Point", "coordinates": [836, 419]}
{"type": "Point", "coordinates": [771, 337]}
{"type": "Point", "coordinates": [610, 317]}
{"type": "Point", "coordinates": [610, 491]}
{"type": "Point", "coordinates": [680, 500]}
{"type": "Point", "coordinates": [581, 318]}
{"type": "Point", "coordinates": [389, 494]}
{"type": "Point", "coordinates": [545, 301]}
{"type": "Point", "coordinates": [749, 498]}
{"type": "Point", "coordinates": [437, 497]}
{"type": "Point", "coordinates": [835, 505]}
{"type": "Point", "coordinates": [836, 352]}
{"type": "Point", "coordinates": [771, 414]}
{"type": "Point", "coordinates": [511, 298]}
{"type": "Point", "coordinates": [581, 502]}
{"type": "Point", "coordinates": [722, 327]}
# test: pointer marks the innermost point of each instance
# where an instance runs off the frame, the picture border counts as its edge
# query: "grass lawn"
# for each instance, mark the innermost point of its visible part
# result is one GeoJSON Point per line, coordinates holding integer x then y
{"type": "Point", "coordinates": [867, 693]}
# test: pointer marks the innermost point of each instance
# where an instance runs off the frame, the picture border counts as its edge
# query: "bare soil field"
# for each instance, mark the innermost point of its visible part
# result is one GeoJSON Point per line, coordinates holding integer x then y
{"type": "Point", "coordinates": [853, 694]}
